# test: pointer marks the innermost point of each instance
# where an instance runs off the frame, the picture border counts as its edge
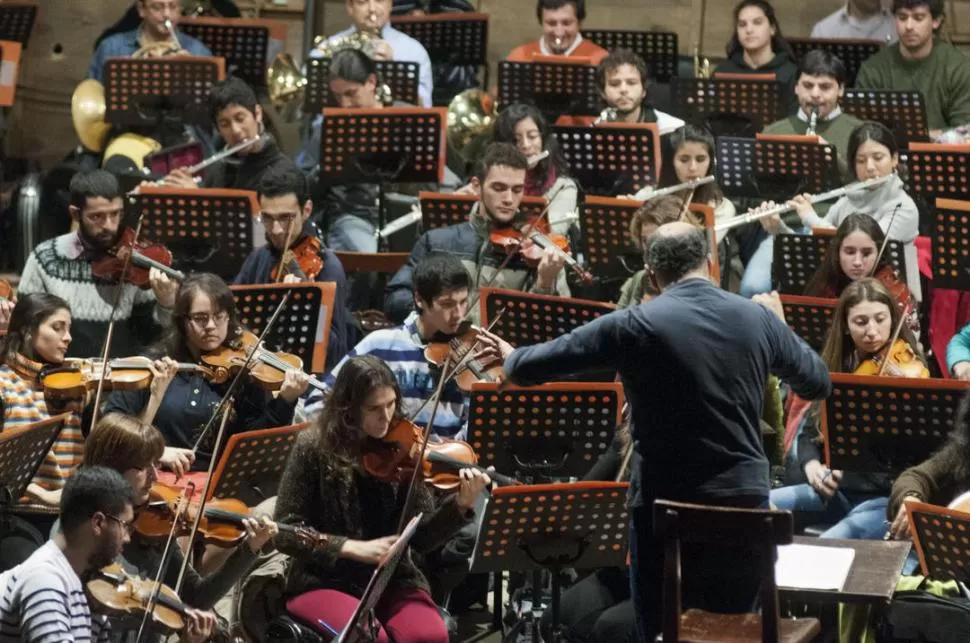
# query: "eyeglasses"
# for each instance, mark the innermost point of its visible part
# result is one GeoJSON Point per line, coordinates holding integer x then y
{"type": "Point", "coordinates": [127, 526]}
{"type": "Point", "coordinates": [285, 219]}
{"type": "Point", "coordinates": [202, 319]}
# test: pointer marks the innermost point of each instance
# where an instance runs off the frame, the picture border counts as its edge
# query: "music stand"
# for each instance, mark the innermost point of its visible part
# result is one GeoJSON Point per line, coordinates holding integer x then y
{"type": "Point", "coordinates": [456, 38]}
{"type": "Point", "coordinates": [659, 49]}
{"type": "Point", "coordinates": [936, 171]}
{"type": "Point", "coordinates": [852, 53]}
{"type": "Point", "coordinates": [776, 170]}
{"type": "Point", "coordinates": [605, 226]}
{"type": "Point", "coordinates": [611, 158]}
{"type": "Point", "coordinates": [530, 318]}
{"type": "Point", "coordinates": [758, 101]}
{"type": "Point", "coordinates": [441, 209]}
{"type": "Point", "coordinates": [303, 327]}
{"type": "Point", "coordinates": [10, 52]}
{"type": "Point", "coordinates": [552, 526]}
{"type": "Point", "coordinates": [244, 43]}
{"type": "Point", "coordinates": [942, 539]}
{"type": "Point", "coordinates": [207, 229]}
{"type": "Point", "coordinates": [887, 424]}
{"type": "Point", "coordinates": [554, 84]}
{"type": "Point", "coordinates": [252, 463]}
{"type": "Point", "coordinates": [951, 267]}
{"type": "Point", "coordinates": [22, 451]}
{"type": "Point", "coordinates": [156, 91]}
{"type": "Point", "coordinates": [557, 429]}
{"type": "Point", "coordinates": [402, 77]}
{"type": "Point", "coordinates": [809, 317]}
{"type": "Point", "coordinates": [17, 21]}
{"type": "Point", "coordinates": [903, 112]}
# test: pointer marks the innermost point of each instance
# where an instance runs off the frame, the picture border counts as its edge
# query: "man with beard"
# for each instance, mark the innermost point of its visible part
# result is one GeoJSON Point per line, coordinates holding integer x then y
{"type": "Point", "coordinates": [499, 183]}
{"type": "Point", "coordinates": [561, 21]}
{"type": "Point", "coordinates": [63, 266]}
{"type": "Point", "coordinates": [622, 79]}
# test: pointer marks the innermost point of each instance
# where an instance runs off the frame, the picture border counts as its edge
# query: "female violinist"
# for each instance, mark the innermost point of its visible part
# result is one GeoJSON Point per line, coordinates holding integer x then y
{"type": "Point", "coordinates": [325, 485]}
{"type": "Point", "coordinates": [863, 327]}
{"type": "Point", "coordinates": [181, 403]}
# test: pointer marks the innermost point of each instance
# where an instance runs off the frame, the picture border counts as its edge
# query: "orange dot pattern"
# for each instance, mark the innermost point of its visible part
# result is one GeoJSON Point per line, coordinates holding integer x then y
{"type": "Point", "coordinates": [462, 42]}
{"type": "Point", "coordinates": [16, 22]}
{"type": "Point", "coordinates": [810, 163]}
{"type": "Point", "coordinates": [610, 252]}
{"type": "Point", "coordinates": [132, 82]}
{"type": "Point", "coordinates": [942, 174]}
{"type": "Point", "coordinates": [797, 257]}
{"type": "Point", "coordinates": [946, 545]}
{"type": "Point", "coordinates": [243, 47]}
{"type": "Point", "coordinates": [809, 321]}
{"type": "Point", "coordinates": [659, 49]}
{"type": "Point", "coordinates": [531, 319]}
{"type": "Point", "coordinates": [401, 77]}
{"type": "Point", "coordinates": [20, 454]}
{"type": "Point", "coordinates": [611, 151]}
{"type": "Point", "coordinates": [296, 329]}
{"type": "Point", "coordinates": [254, 459]}
{"type": "Point", "coordinates": [951, 248]}
{"type": "Point", "coordinates": [521, 82]}
{"type": "Point", "coordinates": [758, 100]}
{"type": "Point", "coordinates": [901, 111]}
{"type": "Point", "coordinates": [416, 135]}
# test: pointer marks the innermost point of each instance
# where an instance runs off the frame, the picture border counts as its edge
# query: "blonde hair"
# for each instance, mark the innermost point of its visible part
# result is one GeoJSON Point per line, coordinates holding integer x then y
{"type": "Point", "coordinates": [122, 442]}
{"type": "Point", "coordinates": [657, 212]}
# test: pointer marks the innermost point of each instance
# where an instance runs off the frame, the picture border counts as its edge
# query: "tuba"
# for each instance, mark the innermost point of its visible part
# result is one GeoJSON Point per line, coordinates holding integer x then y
{"type": "Point", "coordinates": [471, 115]}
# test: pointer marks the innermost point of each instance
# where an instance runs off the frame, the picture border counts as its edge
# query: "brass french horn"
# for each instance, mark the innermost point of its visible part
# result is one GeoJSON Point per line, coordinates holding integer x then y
{"type": "Point", "coordinates": [286, 86]}
{"type": "Point", "coordinates": [471, 116]}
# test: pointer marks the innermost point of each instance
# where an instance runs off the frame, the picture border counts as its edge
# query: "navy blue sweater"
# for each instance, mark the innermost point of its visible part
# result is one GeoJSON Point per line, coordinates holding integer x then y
{"type": "Point", "coordinates": [693, 363]}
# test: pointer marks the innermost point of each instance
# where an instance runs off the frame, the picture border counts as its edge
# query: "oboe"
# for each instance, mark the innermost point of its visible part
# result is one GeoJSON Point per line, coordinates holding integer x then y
{"type": "Point", "coordinates": [785, 207]}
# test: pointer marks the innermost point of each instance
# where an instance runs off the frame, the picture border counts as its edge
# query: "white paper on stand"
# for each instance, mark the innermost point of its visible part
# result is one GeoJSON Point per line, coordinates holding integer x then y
{"type": "Point", "coordinates": [813, 567]}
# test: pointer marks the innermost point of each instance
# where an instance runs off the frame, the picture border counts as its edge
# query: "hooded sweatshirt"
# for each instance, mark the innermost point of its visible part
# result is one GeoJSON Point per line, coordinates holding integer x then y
{"type": "Point", "coordinates": [783, 66]}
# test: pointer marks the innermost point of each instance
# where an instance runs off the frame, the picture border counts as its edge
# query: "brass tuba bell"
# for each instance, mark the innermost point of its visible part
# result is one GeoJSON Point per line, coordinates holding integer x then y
{"type": "Point", "coordinates": [471, 116]}
{"type": "Point", "coordinates": [87, 114]}
{"type": "Point", "coordinates": [286, 86]}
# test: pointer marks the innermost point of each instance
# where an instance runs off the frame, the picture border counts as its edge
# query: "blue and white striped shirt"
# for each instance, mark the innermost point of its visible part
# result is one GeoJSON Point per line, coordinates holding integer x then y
{"type": "Point", "coordinates": [402, 348]}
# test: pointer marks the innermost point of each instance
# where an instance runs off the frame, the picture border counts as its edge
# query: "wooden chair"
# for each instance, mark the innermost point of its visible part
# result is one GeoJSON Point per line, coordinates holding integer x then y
{"type": "Point", "coordinates": [712, 526]}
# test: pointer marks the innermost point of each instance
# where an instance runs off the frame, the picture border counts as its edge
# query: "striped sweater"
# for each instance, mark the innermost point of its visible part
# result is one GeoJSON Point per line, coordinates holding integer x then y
{"type": "Point", "coordinates": [42, 601]}
{"type": "Point", "coordinates": [22, 401]}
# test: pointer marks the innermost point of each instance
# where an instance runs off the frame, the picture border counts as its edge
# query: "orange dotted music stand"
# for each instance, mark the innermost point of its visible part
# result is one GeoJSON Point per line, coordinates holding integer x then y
{"type": "Point", "coordinates": [303, 327]}
{"type": "Point", "coordinates": [809, 317]}
{"type": "Point", "coordinates": [758, 101]}
{"type": "Point", "coordinates": [852, 53]}
{"type": "Point", "coordinates": [557, 429]}
{"type": "Point", "coordinates": [17, 21]}
{"type": "Point", "coordinates": [776, 168]}
{"type": "Point", "coordinates": [552, 526]}
{"type": "Point", "coordinates": [22, 451]}
{"type": "Point", "coordinates": [207, 229]}
{"type": "Point", "coordinates": [440, 209]}
{"type": "Point", "coordinates": [937, 171]}
{"type": "Point", "coordinates": [556, 85]}
{"type": "Point", "coordinates": [659, 49]}
{"type": "Point", "coordinates": [611, 158]}
{"type": "Point", "coordinates": [243, 42]}
{"type": "Point", "coordinates": [10, 52]}
{"type": "Point", "coordinates": [142, 91]}
{"type": "Point", "coordinates": [251, 464]}
{"type": "Point", "coordinates": [529, 318]}
{"type": "Point", "coordinates": [887, 424]}
{"type": "Point", "coordinates": [902, 112]}
{"type": "Point", "coordinates": [605, 224]}
{"type": "Point", "coordinates": [402, 77]}
{"type": "Point", "coordinates": [942, 539]}
{"type": "Point", "coordinates": [457, 38]}
{"type": "Point", "coordinates": [951, 244]}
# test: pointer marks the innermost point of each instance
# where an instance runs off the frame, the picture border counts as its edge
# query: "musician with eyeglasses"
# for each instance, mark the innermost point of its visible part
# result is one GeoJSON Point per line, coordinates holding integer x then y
{"type": "Point", "coordinates": [151, 35]}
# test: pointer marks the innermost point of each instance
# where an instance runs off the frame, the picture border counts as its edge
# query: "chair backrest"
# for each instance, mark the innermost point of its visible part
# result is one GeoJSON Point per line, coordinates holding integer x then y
{"type": "Point", "coordinates": [761, 529]}
{"type": "Point", "coordinates": [381, 262]}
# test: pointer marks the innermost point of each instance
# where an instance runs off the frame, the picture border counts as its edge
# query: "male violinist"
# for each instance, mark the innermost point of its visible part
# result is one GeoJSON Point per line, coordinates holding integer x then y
{"type": "Point", "coordinates": [66, 266]}
{"type": "Point", "coordinates": [499, 183]}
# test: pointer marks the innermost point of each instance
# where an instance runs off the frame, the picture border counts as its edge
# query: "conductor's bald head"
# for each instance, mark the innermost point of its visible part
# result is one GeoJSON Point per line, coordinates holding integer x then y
{"type": "Point", "coordinates": [676, 251]}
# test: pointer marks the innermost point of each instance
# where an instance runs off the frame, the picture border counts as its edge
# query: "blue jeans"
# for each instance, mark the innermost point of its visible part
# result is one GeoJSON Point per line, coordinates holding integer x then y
{"type": "Point", "coordinates": [352, 234]}
{"type": "Point", "coordinates": [859, 517]}
{"type": "Point", "coordinates": [757, 274]}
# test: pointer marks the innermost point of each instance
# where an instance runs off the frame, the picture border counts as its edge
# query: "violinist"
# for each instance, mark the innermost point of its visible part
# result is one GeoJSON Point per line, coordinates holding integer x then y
{"type": "Point", "coordinates": [285, 207]}
{"type": "Point", "coordinates": [325, 485]}
{"type": "Point", "coordinates": [180, 403]}
{"type": "Point", "coordinates": [863, 326]}
{"type": "Point", "coordinates": [500, 183]}
{"type": "Point", "coordinates": [64, 266]}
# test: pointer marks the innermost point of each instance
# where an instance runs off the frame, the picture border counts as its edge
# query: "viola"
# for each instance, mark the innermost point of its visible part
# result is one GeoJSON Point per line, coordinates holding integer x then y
{"type": "Point", "coordinates": [302, 259]}
{"type": "Point", "coordinates": [454, 352]}
{"type": "Point", "coordinates": [110, 267]}
{"type": "Point", "coordinates": [529, 240]}
{"type": "Point", "coordinates": [902, 362]}
{"type": "Point", "coordinates": [118, 592]}
{"type": "Point", "coordinates": [394, 458]}
{"type": "Point", "coordinates": [221, 523]}
{"type": "Point", "coordinates": [75, 377]}
{"type": "Point", "coordinates": [268, 368]}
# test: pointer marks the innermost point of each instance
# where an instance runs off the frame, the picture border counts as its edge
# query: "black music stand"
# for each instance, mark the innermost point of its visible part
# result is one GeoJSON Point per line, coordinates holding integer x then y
{"type": "Point", "coordinates": [775, 170]}
{"type": "Point", "coordinates": [942, 539]}
{"type": "Point", "coordinates": [903, 112]}
{"type": "Point", "coordinates": [809, 317]}
{"type": "Point", "coordinates": [611, 158]}
{"type": "Point", "coordinates": [798, 256]}
{"type": "Point", "coordinates": [555, 88]}
{"type": "Point", "coordinates": [160, 92]}
{"type": "Point", "coordinates": [951, 244]}
{"type": "Point", "coordinates": [456, 38]}
{"type": "Point", "coordinates": [935, 171]}
{"type": "Point", "coordinates": [402, 77]}
{"type": "Point", "coordinates": [703, 100]}
{"type": "Point", "coordinates": [852, 53]}
{"type": "Point", "coordinates": [441, 209]}
{"type": "Point", "coordinates": [251, 464]}
{"type": "Point", "coordinates": [207, 229]}
{"type": "Point", "coordinates": [659, 49]}
{"type": "Point", "coordinates": [536, 527]}
{"type": "Point", "coordinates": [22, 451]}
{"type": "Point", "coordinates": [243, 43]}
{"type": "Point", "coordinates": [554, 430]}
{"type": "Point", "coordinates": [605, 225]}
{"type": "Point", "coordinates": [17, 21]}
{"type": "Point", "coordinates": [887, 424]}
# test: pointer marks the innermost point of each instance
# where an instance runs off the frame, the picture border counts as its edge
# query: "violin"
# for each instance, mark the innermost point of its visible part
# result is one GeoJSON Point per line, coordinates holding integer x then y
{"type": "Point", "coordinates": [301, 259]}
{"type": "Point", "coordinates": [75, 377]}
{"type": "Point", "coordinates": [118, 592]}
{"type": "Point", "coordinates": [6, 290]}
{"type": "Point", "coordinates": [266, 367]}
{"type": "Point", "coordinates": [393, 458]}
{"type": "Point", "coordinates": [110, 267]}
{"type": "Point", "coordinates": [896, 286]}
{"type": "Point", "coordinates": [221, 523]}
{"type": "Point", "coordinates": [454, 351]}
{"type": "Point", "coordinates": [902, 362]}
{"type": "Point", "coordinates": [530, 239]}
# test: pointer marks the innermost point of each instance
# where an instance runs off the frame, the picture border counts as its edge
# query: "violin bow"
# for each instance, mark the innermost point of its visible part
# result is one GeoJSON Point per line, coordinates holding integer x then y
{"type": "Point", "coordinates": [289, 239]}
{"type": "Point", "coordinates": [899, 329]}
{"type": "Point", "coordinates": [885, 240]}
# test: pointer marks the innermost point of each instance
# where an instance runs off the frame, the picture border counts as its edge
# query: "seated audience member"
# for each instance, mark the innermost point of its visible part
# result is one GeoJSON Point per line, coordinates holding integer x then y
{"type": "Point", "coordinates": [561, 22]}
{"type": "Point", "coordinates": [857, 20]}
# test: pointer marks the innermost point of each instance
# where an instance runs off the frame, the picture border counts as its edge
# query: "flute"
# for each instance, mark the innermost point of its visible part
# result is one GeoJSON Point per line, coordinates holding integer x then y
{"type": "Point", "coordinates": [785, 207]}
{"type": "Point", "coordinates": [693, 184]}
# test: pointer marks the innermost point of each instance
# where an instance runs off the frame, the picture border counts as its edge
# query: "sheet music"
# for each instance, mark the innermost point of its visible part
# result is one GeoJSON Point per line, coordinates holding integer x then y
{"type": "Point", "coordinates": [813, 567]}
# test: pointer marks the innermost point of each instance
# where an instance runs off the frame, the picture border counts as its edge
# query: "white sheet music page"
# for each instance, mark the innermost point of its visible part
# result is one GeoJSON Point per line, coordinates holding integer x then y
{"type": "Point", "coordinates": [813, 567]}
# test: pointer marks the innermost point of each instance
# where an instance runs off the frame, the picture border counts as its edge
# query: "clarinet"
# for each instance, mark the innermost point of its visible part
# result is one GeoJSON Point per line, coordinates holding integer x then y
{"type": "Point", "coordinates": [812, 121]}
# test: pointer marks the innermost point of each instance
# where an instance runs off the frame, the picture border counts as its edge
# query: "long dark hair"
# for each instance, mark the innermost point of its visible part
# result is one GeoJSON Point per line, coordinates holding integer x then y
{"type": "Point", "coordinates": [958, 443]}
{"type": "Point", "coordinates": [710, 193]}
{"type": "Point", "coordinates": [30, 312]}
{"type": "Point", "coordinates": [504, 132]}
{"type": "Point", "coordinates": [829, 280]}
{"type": "Point", "coordinates": [339, 425]}
{"type": "Point", "coordinates": [778, 42]}
{"type": "Point", "coordinates": [173, 342]}
{"type": "Point", "coordinates": [869, 131]}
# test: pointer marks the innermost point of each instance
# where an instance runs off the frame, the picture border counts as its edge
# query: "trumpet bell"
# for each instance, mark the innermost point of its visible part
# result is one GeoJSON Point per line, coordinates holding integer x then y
{"type": "Point", "coordinates": [471, 116]}
{"type": "Point", "coordinates": [286, 86]}
{"type": "Point", "coordinates": [87, 113]}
